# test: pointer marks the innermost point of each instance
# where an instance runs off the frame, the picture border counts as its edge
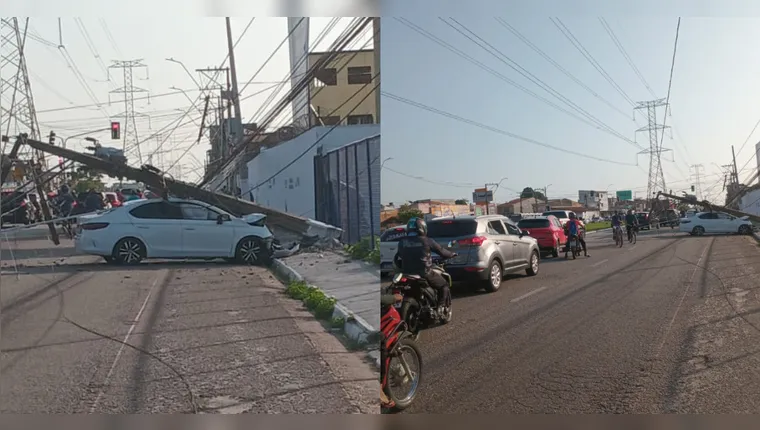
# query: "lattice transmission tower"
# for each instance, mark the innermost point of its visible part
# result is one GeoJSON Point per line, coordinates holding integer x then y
{"type": "Point", "coordinates": [698, 171]}
{"type": "Point", "coordinates": [656, 180]}
{"type": "Point", "coordinates": [131, 140]}
{"type": "Point", "coordinates": [17, 112]}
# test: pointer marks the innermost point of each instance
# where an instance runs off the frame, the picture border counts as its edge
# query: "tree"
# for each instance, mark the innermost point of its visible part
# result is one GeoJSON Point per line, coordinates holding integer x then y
{"type": "Point", "coordinates": [83, 179]}
{"type": "Point", "coordinates": [461, 202]}
{"type": "Point", "coordinates": [406, 212]}
{"type": "Point", "coordinates": [529, 192]}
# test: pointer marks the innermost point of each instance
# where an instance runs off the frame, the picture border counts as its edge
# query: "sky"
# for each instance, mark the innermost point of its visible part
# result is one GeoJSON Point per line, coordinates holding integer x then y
{"type": "Point", "coordinates": [67, 105]}
{"type": "Point", "coordinates": [713, 104]}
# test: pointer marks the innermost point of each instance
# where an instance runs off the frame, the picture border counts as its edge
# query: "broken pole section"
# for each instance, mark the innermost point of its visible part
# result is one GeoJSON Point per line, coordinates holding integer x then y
{"type": "Point", "coordinates": [36, 172]}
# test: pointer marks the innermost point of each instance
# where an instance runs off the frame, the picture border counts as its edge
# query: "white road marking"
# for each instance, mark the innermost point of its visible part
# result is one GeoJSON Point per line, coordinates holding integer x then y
{"type": "Point", "coordinates": [599, 263]}
{"type": "Point", "coordinates": [526, 295]}
{"type": "Point", "coordinates": [680, 303]}
{"type": "Point", "coordinates": [123, 345]}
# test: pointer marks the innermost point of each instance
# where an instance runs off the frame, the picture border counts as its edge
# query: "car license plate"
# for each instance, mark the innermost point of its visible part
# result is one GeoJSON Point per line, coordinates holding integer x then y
{"type": "Point", "coordinates": [397, 305]}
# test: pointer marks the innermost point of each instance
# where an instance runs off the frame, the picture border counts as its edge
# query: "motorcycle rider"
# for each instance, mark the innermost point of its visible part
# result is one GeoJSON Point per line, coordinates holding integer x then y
{"type": "Point", "coordinates": [574, 228]}
{"type": "Point", "coordinates": [414, 257]}
{"type": "Point", "coordinates": [630, 222]}
{"type": "Point", "coordinates": [386, 300]}
{"type": "Point", "coordinates": [94, 201]}
{"type": "Point", "coordinates": [65, 200]}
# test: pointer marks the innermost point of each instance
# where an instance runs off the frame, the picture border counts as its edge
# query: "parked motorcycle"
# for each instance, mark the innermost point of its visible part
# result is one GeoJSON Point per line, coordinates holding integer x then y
{"type": "Point", "coordinates": [420, 306]}
{"type": "Point", "coordinates": [401, 361]}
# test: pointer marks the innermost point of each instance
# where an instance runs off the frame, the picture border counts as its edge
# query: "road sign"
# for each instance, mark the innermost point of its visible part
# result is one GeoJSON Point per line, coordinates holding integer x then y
{"type": "Point", "coordinates": [482, 196]}
{"type": "Point", "coordinates": [624, 195]}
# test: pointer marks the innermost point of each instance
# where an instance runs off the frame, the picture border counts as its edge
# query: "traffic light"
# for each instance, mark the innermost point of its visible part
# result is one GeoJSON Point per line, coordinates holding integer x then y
{"type": "Point", "coordinates": [115, 130]}
{"type": "Point", "coordinates": [692, 188]}
{"type": "Point", "coordinates": [51, 139]}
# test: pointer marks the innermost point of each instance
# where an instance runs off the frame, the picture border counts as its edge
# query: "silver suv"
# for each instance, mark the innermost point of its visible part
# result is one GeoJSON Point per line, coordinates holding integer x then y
{"type": "Point", "coordinates": [489, 246]}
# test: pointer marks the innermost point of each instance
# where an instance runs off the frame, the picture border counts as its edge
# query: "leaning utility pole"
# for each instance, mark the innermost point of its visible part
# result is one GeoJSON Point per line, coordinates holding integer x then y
{"type": "Point", "coordinates": [697, 176]}
{"type": "Point", "coordinates": [128, 90]}
{"type": "Point", "coordinates": [656, 180]}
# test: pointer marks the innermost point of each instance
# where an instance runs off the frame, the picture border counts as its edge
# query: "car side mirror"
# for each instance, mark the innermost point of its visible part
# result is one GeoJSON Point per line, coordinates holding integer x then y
{"type": "Point", "coordinates": [222, 218]}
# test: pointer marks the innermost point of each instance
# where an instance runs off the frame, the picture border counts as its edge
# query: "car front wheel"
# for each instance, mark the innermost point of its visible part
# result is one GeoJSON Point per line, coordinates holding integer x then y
{"type": "Point", "coordinates": [252, 250]}
{"type": "Point", "coordinates": [745, 230]}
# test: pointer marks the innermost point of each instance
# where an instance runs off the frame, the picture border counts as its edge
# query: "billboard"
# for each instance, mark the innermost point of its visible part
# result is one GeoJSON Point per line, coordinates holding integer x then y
{"type": "Point", "coordinates": [624, 195]}
{"type": "Point", "coordinates": [298, 42]}
{"type": "Point", "coordinates": [481, 195]}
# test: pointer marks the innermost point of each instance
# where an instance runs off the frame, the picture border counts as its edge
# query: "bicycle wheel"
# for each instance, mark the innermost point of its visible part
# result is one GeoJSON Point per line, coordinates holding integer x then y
{"type": "Point", "coordinates": [633, 237]}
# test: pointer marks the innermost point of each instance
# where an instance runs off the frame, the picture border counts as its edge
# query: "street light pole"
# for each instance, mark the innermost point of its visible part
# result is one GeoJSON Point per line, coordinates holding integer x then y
{"type": "Point", "coordinates": [496, 187]}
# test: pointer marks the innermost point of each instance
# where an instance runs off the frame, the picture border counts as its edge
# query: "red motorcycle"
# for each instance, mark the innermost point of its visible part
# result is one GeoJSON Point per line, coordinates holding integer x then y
{"type": "Point", "coordinates": [396, 368]}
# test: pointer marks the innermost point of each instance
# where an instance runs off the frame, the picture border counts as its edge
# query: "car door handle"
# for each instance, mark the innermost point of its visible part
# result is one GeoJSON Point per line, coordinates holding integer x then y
{"type": "Point", "coordinates": [142, 227]}
{"type": "Point", "coordinates": [496, 242]}
{"type": "Point", "coordinates": [514, 244]}
{"type": "Point", "coordinates": [189, 228]}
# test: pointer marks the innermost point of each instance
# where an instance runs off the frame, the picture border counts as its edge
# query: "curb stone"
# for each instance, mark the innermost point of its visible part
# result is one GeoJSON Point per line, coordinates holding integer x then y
{"type": "Point", "coordinates": [354, 326]}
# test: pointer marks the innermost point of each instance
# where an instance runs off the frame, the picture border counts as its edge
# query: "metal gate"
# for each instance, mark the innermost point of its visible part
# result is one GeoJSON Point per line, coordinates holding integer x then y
{"type": "Point", "coordinates": [347, 189]}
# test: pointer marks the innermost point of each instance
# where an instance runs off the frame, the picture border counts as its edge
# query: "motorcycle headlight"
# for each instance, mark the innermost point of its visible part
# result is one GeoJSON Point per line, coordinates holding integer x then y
{"type": "Point", "coordinates": [397, 278]}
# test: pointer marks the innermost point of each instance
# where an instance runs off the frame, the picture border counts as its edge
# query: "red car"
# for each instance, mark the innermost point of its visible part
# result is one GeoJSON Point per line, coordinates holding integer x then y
{"type": "Point", "coordinates": [547, 230]}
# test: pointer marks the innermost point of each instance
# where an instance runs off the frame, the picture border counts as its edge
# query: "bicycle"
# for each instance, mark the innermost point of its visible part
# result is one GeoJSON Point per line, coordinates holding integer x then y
{"type": "Point", "coordinates": [632, 234]}
{"type": "Point", "coordinates": [618, 236]}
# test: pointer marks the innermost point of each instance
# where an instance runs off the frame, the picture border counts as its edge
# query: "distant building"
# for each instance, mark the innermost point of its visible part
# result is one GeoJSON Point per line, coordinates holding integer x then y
{"type": "Point", "coordinates": [750, 201]}
{"type": "Point", "coordinates": [338, 82]}
{"type": "Point", "coordinates": [598, 200]}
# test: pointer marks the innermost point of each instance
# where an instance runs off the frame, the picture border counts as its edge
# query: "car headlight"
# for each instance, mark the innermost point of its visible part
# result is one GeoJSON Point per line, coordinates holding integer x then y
{"type": "Point", "coordinates": [397, 278]}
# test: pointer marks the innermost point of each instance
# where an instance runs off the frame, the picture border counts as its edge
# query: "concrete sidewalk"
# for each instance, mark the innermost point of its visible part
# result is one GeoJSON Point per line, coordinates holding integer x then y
{"type": "Point", "coordinates": [355, 285]}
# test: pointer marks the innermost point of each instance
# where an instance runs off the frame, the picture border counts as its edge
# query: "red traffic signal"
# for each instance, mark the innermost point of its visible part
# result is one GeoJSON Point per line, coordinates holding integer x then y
{"type": "Point", "coordinates": [115, 130]}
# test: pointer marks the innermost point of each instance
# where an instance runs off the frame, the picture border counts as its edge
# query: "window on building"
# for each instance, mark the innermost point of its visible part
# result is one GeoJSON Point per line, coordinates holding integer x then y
{"type": "Point", "coordinates": [326, 77]}
{"type": "Point", "coordinates": [330, 120]}
{"type": "Point", "coordinates": [359, 119]}
{"type": "Point", "coordinates": [359, 75]}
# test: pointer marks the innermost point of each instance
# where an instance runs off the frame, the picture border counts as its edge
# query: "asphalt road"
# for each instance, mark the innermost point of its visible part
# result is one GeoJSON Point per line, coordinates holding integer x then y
{"type": "Point", "coordinates": [670, 324]}
{"type": "Point", "coordinates": [215, 338]}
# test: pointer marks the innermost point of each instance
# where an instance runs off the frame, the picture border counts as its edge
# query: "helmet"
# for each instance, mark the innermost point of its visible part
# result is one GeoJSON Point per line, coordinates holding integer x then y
{"type": "Point", "coordinates": [572, 215]}
{"type": "Point", "coordinates": [417, 225]}
{"type": "Point", "coordinates": [64, 189]}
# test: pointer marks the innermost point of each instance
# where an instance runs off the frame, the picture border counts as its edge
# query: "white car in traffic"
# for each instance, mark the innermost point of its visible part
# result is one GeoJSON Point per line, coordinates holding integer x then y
{"type": "Point", "coordinates": [173, 229]}
{"type": "Point", "coordinates": [714, 222]}
{"type": "Point", "coordinates": [388, 247]}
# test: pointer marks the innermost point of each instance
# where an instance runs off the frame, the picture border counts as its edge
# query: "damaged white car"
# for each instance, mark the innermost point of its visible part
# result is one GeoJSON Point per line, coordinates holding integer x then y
{"type": "Point", "coordinates": [174, 229]}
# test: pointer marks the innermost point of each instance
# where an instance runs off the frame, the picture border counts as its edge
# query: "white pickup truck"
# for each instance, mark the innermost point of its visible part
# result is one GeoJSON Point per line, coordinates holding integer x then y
{"type": "Point", "coordinates": [388, 247]}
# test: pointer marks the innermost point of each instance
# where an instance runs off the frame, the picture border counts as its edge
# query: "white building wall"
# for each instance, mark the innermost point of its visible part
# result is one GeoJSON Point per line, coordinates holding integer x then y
{"type": "Point", "coordinates": [292, 190]}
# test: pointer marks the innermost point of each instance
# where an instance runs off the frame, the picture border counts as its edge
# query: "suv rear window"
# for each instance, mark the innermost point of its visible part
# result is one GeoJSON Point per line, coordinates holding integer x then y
{"type": "Point", "coordinates": [533, 223]}
{"type": "Point", "coordinates": [558, 214]}
{"type": "Point", "coordinates": [452, 228]}
{"type": "Point", "coordinates": [393, 234]}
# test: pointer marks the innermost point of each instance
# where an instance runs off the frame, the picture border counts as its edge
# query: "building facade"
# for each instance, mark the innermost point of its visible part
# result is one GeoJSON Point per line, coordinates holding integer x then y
{"type": "Point", "coordinates": [293, 189]}
{"type": "Point", "coordinates": [344, 78]}
{"type": "Point", "coordinates": [598, 200]}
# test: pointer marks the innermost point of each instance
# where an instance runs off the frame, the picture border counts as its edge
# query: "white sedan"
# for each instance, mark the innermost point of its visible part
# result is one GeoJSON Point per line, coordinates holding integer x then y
{"type": "Point", "coordinates": [173, 229]}
{"type": "Point", "coordinates": [714, 222]}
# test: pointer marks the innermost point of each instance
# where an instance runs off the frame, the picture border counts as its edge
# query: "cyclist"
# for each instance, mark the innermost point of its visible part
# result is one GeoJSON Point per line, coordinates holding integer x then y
{"type": "Point", "coordinates": [631, 222]}
{"type": "Point", "coordinates": [616, 225]}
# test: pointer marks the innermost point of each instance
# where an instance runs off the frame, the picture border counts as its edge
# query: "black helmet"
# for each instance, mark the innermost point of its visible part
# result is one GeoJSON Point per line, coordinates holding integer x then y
{"type": "Point", "coordinates": [417, 225]}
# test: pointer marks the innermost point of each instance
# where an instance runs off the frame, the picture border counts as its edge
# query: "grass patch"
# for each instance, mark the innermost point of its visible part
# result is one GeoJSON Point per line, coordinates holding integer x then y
{"type": "Point", "coordinates": [315, 300]}
{"type": "Point", "coordinates": [363, 250]}
{"type": "Point", "coordinates": [592, 226]}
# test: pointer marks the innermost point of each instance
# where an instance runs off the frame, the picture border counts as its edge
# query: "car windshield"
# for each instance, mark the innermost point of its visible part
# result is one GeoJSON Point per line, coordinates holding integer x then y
{"type": "Point", "coordinates": [452, 228]}
{"type": "Point", "coordinates": [533, 223]}
{"type": "Point", "coordinates": [558, 214]}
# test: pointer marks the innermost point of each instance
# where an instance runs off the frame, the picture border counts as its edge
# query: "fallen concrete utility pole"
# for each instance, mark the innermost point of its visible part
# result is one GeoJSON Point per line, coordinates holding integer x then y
{"type": "Point", "coordinates": [232, 204]}
{"type": "Point", "coordinates": [711, 207]}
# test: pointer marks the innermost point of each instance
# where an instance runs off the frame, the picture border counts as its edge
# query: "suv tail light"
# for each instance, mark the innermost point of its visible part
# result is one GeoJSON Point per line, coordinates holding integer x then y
{"type": "Point", "coordinates": [94, 226]}
{"type": "Point", "coordinates": [472, 241]}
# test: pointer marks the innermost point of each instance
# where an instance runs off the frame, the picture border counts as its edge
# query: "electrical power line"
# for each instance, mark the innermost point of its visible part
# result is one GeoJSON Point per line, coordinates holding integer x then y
{"type": "Point", "coordinates": [496, 130]}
